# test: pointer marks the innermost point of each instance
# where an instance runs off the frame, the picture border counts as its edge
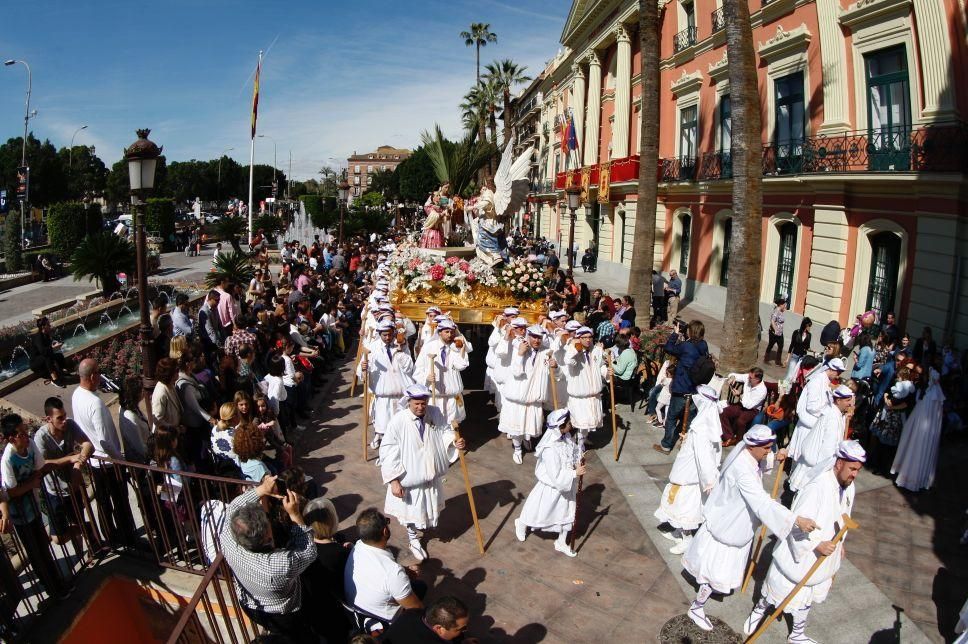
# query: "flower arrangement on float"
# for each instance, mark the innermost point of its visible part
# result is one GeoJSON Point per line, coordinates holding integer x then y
{"type": "Point", "coordinates": [425, 277]}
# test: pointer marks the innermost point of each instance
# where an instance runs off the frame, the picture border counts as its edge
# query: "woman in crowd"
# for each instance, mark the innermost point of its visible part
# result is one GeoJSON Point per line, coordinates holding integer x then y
{"type": "Point", "coordinates": [323, 580]}
{"type": "Point", "coordinates": [248, 445]}
{"type": "Point", "coordinates": [165, 404]}
{"type": "Point", "coordinates": [799, 346]}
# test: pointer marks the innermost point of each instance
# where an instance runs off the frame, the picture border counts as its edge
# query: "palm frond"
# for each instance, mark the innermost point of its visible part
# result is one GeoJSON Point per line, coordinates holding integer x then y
{"type": "Point", "coordinates": [233, 266]}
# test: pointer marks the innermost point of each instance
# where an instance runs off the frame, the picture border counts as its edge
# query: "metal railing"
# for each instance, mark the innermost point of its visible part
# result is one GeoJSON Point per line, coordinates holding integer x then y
{"type": "Point", "coordinates": [222, 618]}
{"type": "Point", "coordinates": [545, 187]}
{"type": "Point", "coordinates": [685, 38]}
{"type": "Point", "coordinates": [677, 169]}
{"type": "Point", "coordinates": [719, 19]}
{"type": "Point", "coordinates": [931, 148]}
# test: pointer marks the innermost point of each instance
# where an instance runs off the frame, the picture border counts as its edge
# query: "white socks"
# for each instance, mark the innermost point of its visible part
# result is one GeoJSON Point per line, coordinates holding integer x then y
{"type": "Point", "coordinates": [518, 442]}
{"type": "Point", "coordinates": [705, 592]}
{"type": "Point", "coordinates": [412, 533]}
{"type": "Point", "coordinates": [696, 611]}
{"type": "Point", "coordinates": [797, 636]}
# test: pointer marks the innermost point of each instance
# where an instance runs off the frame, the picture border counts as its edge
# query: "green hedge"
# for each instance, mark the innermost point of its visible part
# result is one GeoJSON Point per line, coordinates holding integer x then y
{"type": "Point", "coordinates": [12, 252]}
{"type": "Point", "coordinates": [160, 218]}
{"type": "Point", "coordinates": [69, 222]}
{"type": "Point", "coordinates": [323, 212]}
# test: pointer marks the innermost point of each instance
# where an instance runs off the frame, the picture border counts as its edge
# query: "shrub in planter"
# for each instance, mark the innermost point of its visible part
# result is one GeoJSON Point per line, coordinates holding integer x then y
{"type": "Point", "coordinates": [160, 218]}
{"type": "Point", "coordinates": [11, 242]}
{"type": "Point", "coordinates": [66, 226]}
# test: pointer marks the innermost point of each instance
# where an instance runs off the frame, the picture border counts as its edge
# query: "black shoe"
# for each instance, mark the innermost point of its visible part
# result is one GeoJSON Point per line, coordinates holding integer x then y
{"type": "Point", "coordinates": [58, 384]}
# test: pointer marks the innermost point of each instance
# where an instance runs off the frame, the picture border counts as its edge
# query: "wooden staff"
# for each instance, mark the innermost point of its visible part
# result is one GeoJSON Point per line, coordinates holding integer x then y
{"type": "Point", "coordinates": [574, 523]}
{"type": "Point", "coordinates": [849, 524]}
{"type": "Point", "coordinates": [366, 406]}
{"type": "Point", "coordinates": [611, 387]}
{"type": "Point", "coordinates": [433, 382]}
{"type": "Point", "coordinates": [470, 492]}
{"type": "Point", "coordinates": [685, 419]}
{"type": "Point", "coordinates": [759, 540]}
{"type": "Point", "coordinates": [554, 388]}
{"type": "Point", "coordinates": [356, 365]}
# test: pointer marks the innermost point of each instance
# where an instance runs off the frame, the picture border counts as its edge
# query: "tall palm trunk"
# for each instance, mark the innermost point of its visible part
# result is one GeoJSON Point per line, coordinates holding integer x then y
{"type": "Point", "coordinates": [478, 63]}
{"type": "Point", "coordinates": [507, 116]}
{"type": "Point", "coordinates": [743, 293]}
{"type": "Point", "coordinates": [643, 255]}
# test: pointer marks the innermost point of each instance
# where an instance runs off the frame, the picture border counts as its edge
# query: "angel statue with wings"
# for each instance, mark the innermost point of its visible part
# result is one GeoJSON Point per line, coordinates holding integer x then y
{"type": "Point", "coordinates": [500, 197]}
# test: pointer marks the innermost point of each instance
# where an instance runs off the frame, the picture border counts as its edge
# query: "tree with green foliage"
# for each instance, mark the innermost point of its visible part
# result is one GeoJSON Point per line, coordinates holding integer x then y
{"type": "Point", "coordinates": [478, 36]}
{"type": "Point", "coordinates": [371, 199]}
{"type": "Point", "coordinates": [457, 164]}
{"type": "Point", "coordinates": [12, 252]}
{"type": "Point", "coordinates": [67, 225]}
{"type": "Point", "coordinates": [269, 224]}
{"type": "Point", "coordinates": [85, 173]}
{"type": "Point", "coordinates": [505, 75]}
{"type": "Point", "coordinates": [235, 266]}
{"type": "Point", "coordinates": [231, 228]}
{"type": "Point", "coordinates": [323, 212]}
{"type": "Point", "coordinates": [417, 177]}
{"type": "Point", "coordinates": [102, 257]}
{"type": "Point", "coordinates": [160, 218]}
{"type": "Point", "coordinates": [118, 185]}
{"type": "Point", "coordinates": [387, 183]}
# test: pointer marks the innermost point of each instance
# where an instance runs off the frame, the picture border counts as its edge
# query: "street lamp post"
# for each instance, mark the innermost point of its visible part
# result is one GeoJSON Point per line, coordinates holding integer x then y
{"type": "Point", "coordinates": [70, 153]}
{"type": "Point", "coordinates": [23, 149]}
{"type": "Point", "coordinates": [396, 215]}
{"type": "Point", "coordinates": [344, 192]}
{"type": "Point", "coordinates": [275, 164]}
{"type": "Point", "coordinates": [142, 157]}
{"type": "Point", "coordinates": [574, 197]}
{"type": "Point", "coordinates": [218, 184]}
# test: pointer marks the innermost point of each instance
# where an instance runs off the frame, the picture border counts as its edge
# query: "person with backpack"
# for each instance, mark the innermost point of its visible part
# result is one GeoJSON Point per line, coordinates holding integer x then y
{"type": "Point", "coordinates": [695, 368]}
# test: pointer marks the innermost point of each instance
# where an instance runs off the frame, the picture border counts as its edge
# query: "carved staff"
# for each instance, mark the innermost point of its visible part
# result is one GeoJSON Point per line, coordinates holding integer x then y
{"type": "Point", "coordinates": [366, 403]}
{"type": "Point", "coordinates": [554, 388]}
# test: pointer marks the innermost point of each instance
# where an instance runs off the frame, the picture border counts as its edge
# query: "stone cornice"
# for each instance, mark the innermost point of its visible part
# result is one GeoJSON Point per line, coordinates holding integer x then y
{"type": "Point", "coordinates": [870, 10]}
{"type": "Point", "coordinates": [719, 70]}
{"type": "Point", "coordinates": [785, 42]}
{"type": "Point", "coordinates": [687, 83]}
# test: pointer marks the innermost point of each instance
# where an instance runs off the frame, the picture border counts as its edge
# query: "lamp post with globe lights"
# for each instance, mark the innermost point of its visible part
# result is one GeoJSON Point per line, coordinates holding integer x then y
{"type": "Point", "coordinates": [142, 157]}
{"type": "Point", "coordinates": [574, 199]}
{"type": "Point", "coordinates": [23, 148]}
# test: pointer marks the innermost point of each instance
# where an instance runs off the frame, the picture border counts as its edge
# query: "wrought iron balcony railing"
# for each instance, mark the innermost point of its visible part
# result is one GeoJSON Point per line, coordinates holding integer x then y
{"type": "Point", "coordinates": [719, 20]}
{"type": "Point", "coordinates": [677, 169]}
{"type": "Point", "coordinates": [932, 148]}
{"type": "Point", "coordinates": [545, 187]}
{"type": "Point", "coordinates": [685, 38]}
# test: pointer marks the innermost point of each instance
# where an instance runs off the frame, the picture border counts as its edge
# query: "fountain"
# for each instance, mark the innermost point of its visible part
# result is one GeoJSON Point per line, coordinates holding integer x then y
{"type": "Point", "coordinates": [80, 327]}
{"type": "Point", "coordinates": [110, 323]}
{"type": "Point", "coordinates": [121, 312]}
{"type": "Point", "coordinates": [167, 297]}
{"type": "Point", "coordinates": [13, 355]}
{"type": "Point", "coordinates": [118, 293]}
{"type": "Point", "coordinates": [302, 228]}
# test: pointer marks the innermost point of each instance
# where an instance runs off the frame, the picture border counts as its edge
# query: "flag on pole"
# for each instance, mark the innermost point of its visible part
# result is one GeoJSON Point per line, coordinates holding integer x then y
{"type": "Point", "coordinates": [255, 96]}
{"type": "Point", "coordinates": [572, 134]}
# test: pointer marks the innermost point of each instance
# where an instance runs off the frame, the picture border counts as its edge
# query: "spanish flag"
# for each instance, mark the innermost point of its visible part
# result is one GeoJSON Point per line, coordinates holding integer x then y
{"type": "Point", "coordinates": [255, 96]}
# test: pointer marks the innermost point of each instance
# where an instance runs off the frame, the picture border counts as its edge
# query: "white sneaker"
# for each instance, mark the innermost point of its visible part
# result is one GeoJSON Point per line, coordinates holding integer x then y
{"type": "Point", "coordinates": [565, 549]}
{"type": "Point", "coordinates": [681, 547]}
{"type": "Point", "coordinates": [517, 458]}
{"type": "Point", "coordinates": [520, 530]}
{"type": "Point", "coordinates": [800, 638]}
{"type": "Point", "coordinates": [698, 616]}
{"type": "Point", "coordinates": [418, 551]}
{"type": "Point", "coordinates": [753, 621]}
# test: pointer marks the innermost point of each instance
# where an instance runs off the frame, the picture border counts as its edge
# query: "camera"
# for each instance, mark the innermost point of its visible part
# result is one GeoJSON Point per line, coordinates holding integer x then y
{"type": "Point", "coordinates": [281, 488]}
{"type": "Point", "coordinates": [680, 325]}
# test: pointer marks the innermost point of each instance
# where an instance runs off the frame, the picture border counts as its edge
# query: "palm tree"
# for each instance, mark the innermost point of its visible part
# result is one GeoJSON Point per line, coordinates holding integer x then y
{"type": "Point", "coordinates": [457, 163]}
{"type": "Point", "coordinates": [236, 267]}
{"type": "Point", "coordinates": [229, 229]}
{"type": "Point", "coordinates": [643, 256]}
{"type": "Point", "coordinates": [743, 291]}
{"type": "Point", "coordinates": [474, 112]}
{"type": "Point", "coordinates": [505, 74]}
{"type": "Point", "coordinates": [102, 256]}
{"type": "Point", "coordinates": [479, 35]}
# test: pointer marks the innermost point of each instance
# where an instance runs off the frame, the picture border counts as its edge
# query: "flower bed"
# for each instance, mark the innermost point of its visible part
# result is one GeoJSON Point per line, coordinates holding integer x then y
{"type": "Point", "coordinates": [422, 277]}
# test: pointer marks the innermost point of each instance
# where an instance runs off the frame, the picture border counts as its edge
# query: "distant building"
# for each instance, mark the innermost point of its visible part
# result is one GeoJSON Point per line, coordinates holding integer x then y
{"type": "Point", "coordinates": [360, 167]}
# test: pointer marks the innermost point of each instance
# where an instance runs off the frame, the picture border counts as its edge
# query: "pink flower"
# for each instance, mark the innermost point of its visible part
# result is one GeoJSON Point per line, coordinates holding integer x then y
{"type": "Point", "coordinates": [453, 260]}
{"type": "Point", "coordinates": [437, 272]}
{"type": "Point", "coordinates": [414, 263]}
{"type": "Point", "coordinates": [471, 277]}
{"type": "Point", "coordinates": [464, 266]}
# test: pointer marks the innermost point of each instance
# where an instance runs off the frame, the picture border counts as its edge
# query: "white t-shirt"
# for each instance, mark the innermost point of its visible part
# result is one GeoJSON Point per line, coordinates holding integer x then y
{"type": "Point", "coordinates": [275, 391]}
{"type": "Point", "coordinates": [289, 374]}
{"type": "Point", "coordinates": [95, 419]}
{"type": "Point", "coordinates": [375, 582]}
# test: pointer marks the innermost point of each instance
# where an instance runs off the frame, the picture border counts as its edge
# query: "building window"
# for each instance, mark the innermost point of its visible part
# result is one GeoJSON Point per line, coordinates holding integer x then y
{"type": "Point", "coordinates": [689, 9]}
{"type": "Point", "coordinates": [685, 222]}
{"type": "Point", "coordinates": [725, 136]}
{"type": "Point", "coordinates": [888, 109]}
{"type": "Point", "coordinates": [727, 242]}
{"type": "Point", "coordinates": [688, 129]}
{"type": "Point", "coordinates": [786, 263]}
{"type": "Point", "coordinates": [790, 125]}
{"type": "Point", "coordinates": [356, 169]}
{"type": "Point", "coordinates": [885, 261]}
{"type": "Point", "coordinates": [356, 181]}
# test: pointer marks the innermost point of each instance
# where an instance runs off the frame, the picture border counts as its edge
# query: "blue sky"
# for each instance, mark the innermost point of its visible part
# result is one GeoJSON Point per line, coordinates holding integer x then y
{"type": "Point", "coordinates": [341, 76]}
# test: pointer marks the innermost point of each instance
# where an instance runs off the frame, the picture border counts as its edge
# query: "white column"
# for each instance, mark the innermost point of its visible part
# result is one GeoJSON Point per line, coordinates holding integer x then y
{"type": "Point", "coordinates": [828, 260]}
{"type": "Point", "coordinates": [936, 60]}
{"type": "Point", "coordinates": [833, 61]}
{"type": "Point", "coordinates": [594, 110]}
{"type": "Point", "coordinates": [623, 94]}
{"type": "Point", "coordinates": [577, 106]}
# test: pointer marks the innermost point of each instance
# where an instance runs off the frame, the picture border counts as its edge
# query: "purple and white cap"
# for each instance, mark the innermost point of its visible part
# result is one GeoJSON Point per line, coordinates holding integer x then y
{"type": "Point", "coordinates": [572, 325]}
{"type": "Point", "coordinates": [446, 323]}
{"type": "Point", "coordinates": [416, 391]}
{"type": "Point", "coordinates": [758, 436]}
{"type": "Point", "coordinates": [519, 322]}
{"type": "Point", "coordinates": [384, 326]}
{"type": "Point", "coordinates": [511, 311]}
{"type": "Point", "coordinates": [851, 451]}
{"type": "Point", "coordinates": [582, 331]}
{"type": "Point", "coordinates": [843, 391]}
{"type": "Point", "coordinates": [837, 365]}
{"type": "Point", "coordinates": [557, 315]}
{"type": "Point", "coordinates": [707, 392]}
{"type": "Point", "coordinates": [557, 418]}
{"type": "Point", "coordinates": [536, 330]}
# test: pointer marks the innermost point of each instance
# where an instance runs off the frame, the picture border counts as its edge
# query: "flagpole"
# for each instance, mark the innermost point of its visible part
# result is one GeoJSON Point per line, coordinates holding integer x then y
{"type": "Point", "coordinates": [255, 104]}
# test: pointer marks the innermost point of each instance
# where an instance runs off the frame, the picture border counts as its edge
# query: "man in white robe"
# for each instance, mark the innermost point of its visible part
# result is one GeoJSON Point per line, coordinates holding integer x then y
{"type": "Point", "coordinates": [525, 390]}
{"type": "Point", "coordinates": [448, 353]}
{"type": "Point", "coordinates": [585, 370]}
{"type": "Point", "coordinates": [428, 329]}
{"type": "Point", "coordinates": [491, 359]}
{"type": "Point", "coordinates": [718, 554]}
{"type": "Point", "coordinates": [814, 398]}
{"type": "Point", "coordinates": [511, 336]}
{"type": "Point", "coordinates": [550, 505]}
{"type": "Point", "coordinates": [821, 441]}
{"type": "Point", "coordinates": [557, 341]}
{"type": "Point", "coordinates": [827, 496]}
{"type": "Point", "coordinates": [418, 449]}
{"type": "Point", "coordinates": [694, 473]}
{"type": "Point", "coordinates": [390, 370]}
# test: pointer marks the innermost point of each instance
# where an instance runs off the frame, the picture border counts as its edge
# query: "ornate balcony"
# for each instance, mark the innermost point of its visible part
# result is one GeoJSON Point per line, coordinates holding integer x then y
{"type": "Point", "coordinates": [932, 148]}
{"type": "Point", "coordinates": [719, 20]}
{"type": "Point", "coordinates": [685, 38]}
{"type": "Point", "coordinates": [677, 169]}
